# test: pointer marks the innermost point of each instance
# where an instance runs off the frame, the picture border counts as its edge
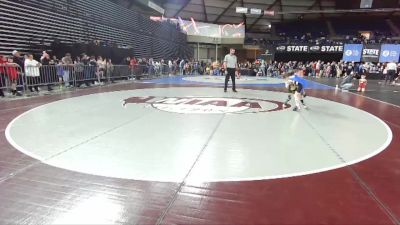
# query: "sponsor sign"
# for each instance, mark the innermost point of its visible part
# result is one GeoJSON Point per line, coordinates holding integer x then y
{"type": "Point", "coordinates": [310, 48]}
{"type": "Point", "coordinates": [352, 52]}
{"type": "Point", "coordinates": [389, 53]}
{"type": "Point", "coordinates": [370, 53]}
{"type": "Point", "coordinates": [281, 48]}
{"type": "Point", "coordinates": [297, 48]}
{"type": "Point", "coordinates": [332, 48]}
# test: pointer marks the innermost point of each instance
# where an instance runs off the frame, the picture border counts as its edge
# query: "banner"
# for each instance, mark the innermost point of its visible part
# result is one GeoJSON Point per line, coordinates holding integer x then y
{"type": "Point", "coordinates": [331, 48]}
{"type": "Point", "coordinates": [370, 53]}
{"type": "Point", "coordinates": [310, 48]}
{"type": "Point", "coordinates": [297, 48]}
{"type": "Point", "coordinates": [389, 53]}
{"type": "Point", "coordinates": [352, 52]}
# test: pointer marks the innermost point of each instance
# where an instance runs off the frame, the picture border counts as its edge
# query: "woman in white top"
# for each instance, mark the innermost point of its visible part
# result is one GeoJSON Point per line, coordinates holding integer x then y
{"type": "Point", "coordinates": [170, 66]}
{"type": "Point", "coordinates": [32, 73]}
{"type": "Point", "coordinates": [262, 67]}
{"type": "Point", "coordinates": [101, 68]}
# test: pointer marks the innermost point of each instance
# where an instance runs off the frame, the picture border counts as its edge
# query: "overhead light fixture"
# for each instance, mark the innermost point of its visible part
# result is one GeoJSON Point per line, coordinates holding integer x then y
{"type": "Point", "coordinates": [366, 4]}
{"type": "Point", "coordinates": [241, 10]}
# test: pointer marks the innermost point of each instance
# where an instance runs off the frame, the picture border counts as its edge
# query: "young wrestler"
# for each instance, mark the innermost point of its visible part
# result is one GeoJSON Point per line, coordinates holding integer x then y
{"type": "Point", "coordinates": [362, 83]}
{"type": "Point", "coordinates": [296, 88]}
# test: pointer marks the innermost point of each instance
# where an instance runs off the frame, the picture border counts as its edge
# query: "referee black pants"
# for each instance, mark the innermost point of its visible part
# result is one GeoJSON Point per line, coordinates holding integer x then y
{"type": "Point", "coordinates": [390, 76]}
{"type": "Point", "coordinates": [231, 74]}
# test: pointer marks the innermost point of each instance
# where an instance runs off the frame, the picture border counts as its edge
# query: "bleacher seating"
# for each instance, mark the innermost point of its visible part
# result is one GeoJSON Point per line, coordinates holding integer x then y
{"type": "Point", "coordinates": [315, 28]}
{"type": "Point", "coordinates": [344, 27]}
{"type": "Point", "coordinates": [26, 23]}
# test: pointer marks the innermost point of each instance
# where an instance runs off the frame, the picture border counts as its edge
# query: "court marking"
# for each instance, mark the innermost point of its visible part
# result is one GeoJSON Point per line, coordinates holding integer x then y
{"type": "Point", "coordinates": [357, 94]}
{"type": "Point", "coordinates": [383, 147]}
{"type": "Point", "coordinates": [179, 79]}
{"type": "Point", "coordinates": [153, 102]}
{"type": "Point", "coordinates": [325, 169]}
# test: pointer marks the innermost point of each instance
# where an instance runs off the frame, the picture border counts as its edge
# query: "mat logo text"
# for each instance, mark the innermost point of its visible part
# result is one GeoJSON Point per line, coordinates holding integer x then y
{"type": "Point", "coordinates": [206, 105]}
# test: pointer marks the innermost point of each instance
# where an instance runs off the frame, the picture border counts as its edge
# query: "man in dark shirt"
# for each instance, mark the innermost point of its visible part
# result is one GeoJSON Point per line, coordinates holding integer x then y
{"type": "Point", "coordinates": [86, 71]}
{"type": "Point", "coordinates": [47, 72]}
{"type": "Point", "coordinates": [20, 61]}
{"type": "Point", "coordinates": [348, 69]}
{"type": "Point", "coordinates": [2, 74]}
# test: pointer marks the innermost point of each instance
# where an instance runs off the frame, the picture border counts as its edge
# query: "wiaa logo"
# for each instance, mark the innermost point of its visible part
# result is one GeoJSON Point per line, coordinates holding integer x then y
{"type": "Point", "coordinates": [206, 105]}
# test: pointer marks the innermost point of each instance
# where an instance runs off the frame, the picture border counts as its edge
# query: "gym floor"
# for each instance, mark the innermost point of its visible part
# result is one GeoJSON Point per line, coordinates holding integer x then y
{"type": "Point", "coordinates": [181, 151]}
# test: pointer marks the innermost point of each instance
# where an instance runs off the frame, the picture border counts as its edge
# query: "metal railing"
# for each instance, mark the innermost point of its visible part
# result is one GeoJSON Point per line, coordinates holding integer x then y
{"type": "Point", "coordinates": [11, 78]}
{"type": "Point", "coordinates": [27, 80]}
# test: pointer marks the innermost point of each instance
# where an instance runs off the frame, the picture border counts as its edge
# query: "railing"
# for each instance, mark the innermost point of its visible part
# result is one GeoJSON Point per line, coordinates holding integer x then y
{"type": "Point", "coordinates": [27, 80]}
{"type": "Point", "coordinates": [11, 78]}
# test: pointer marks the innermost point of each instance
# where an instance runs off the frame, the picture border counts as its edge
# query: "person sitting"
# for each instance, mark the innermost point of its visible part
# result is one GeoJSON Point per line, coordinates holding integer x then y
{"type": "Point", "coordinates": [347, 82]}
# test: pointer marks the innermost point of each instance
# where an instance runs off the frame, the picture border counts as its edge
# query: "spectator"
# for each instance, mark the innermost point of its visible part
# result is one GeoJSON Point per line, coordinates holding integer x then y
{"type": "Point", "coordinates": [170, 66]}
{"type": "Point", "coordinates": [68, 67]}
{"type": "Point", "coordinates": [2, 74]}
{"type": "Point", "coordinates": [46, 72]}
{"type": "Point", "coordinates": [18, 59]}
{"type": "Point", "coordinates": [79, 71]}
{"type": "Point", "coordinates": [181, 67]}
{"type": "Point", "coordinates": [54, 60]}
{"type": "Point", "coordinates": [101, 69]}
{"type": "Point", "coordinates": [92, 68]}
{"type": "Point", "coordinates": [32, 72]}
{"type": "Point", "coordinates": [12, 74]}
{"type": "Point", "coordinates": [110, 70]}
{"type": "Point", "coordinates": [60, 73]}
{"type": "Point", "coordinates": [87, 69]}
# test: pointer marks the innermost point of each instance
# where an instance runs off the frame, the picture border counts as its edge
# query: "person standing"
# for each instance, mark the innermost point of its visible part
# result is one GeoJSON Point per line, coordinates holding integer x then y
{"type": "Point", "coordinates": [12, 72]}
{"type": "Point", "coordinates": [20, 61]}
{"type": "Point", "coordinates": [391, 72]}
{"type": "Point", "coordinates": [230, 65]}
{"type": "Point", "coordinates": [32, 73]}
{"type": "Point", "coordinates": [46, 72]}
{"type": "Point", "coordinates": [68, 66]}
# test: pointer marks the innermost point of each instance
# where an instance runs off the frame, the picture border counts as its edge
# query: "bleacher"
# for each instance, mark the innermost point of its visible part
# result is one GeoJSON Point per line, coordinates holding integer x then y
{"type": "Point", "coordinates": [27, 23]}
{"type": "Point", "coordinates": [292, 29]}
{"type": "Point", "coordinates": [344, 27]}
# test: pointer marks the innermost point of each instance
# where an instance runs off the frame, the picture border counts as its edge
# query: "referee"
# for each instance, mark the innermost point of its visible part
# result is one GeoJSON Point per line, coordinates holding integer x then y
{"type": "Point", "coordinates": [230, 65]}
{"type": "Point", "coordinates": [391, 72]}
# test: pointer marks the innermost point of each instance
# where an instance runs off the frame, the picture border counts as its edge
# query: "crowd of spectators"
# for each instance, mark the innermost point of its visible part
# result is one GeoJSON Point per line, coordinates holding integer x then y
{"type": "Point", "coordinates": [48, 71]}
{"type": "Point", "coordinates": [323, 39]}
